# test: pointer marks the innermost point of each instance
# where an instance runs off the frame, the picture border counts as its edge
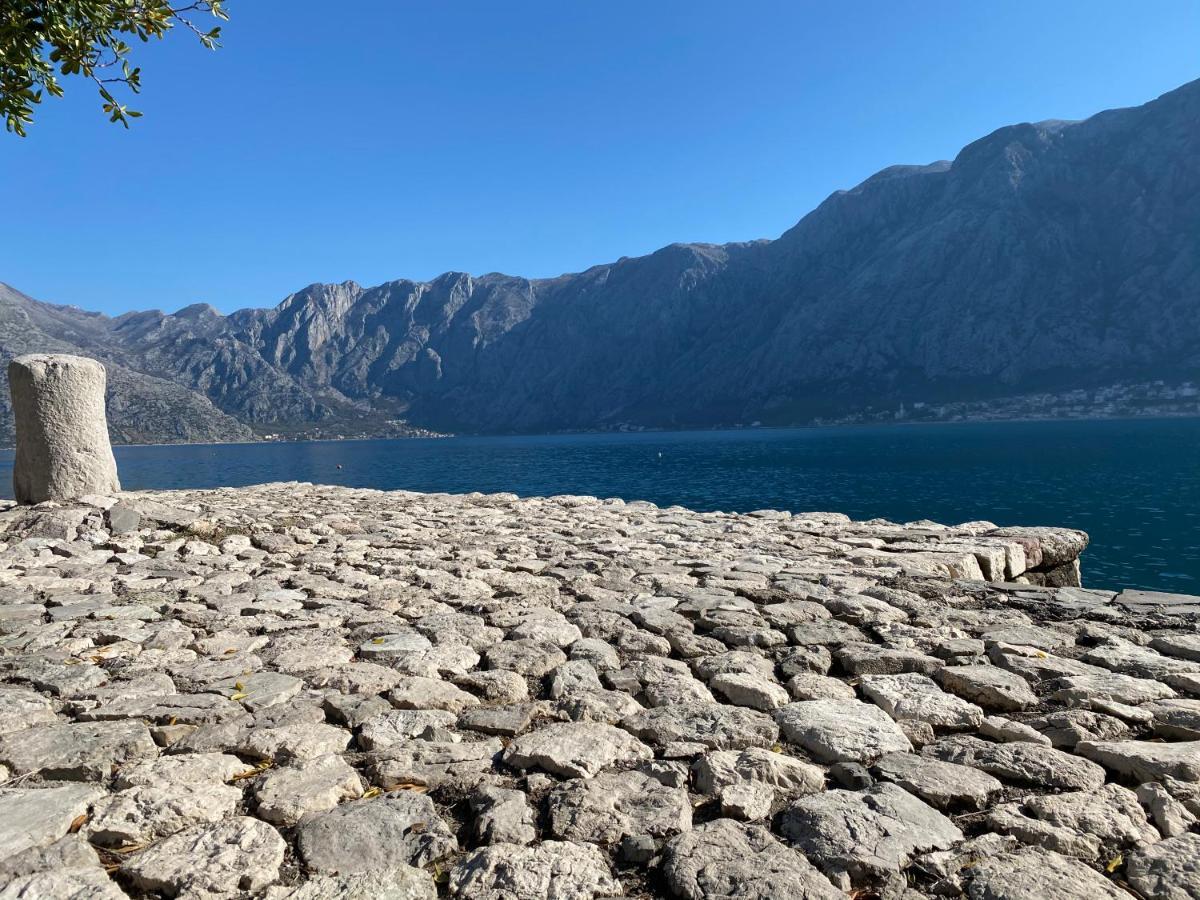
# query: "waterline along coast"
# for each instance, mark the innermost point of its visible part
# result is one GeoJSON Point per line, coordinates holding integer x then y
{"type": "Point", "coordinates": [304, 691]}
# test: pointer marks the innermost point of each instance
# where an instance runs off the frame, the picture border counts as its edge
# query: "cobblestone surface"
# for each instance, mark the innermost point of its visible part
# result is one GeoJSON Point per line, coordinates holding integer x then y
{"type": "Point", "coordinates": [317, 692]}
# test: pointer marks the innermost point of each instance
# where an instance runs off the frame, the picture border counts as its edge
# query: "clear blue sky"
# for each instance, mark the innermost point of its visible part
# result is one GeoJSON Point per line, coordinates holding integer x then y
{"type": "Point", "coordinates": [387, 138]}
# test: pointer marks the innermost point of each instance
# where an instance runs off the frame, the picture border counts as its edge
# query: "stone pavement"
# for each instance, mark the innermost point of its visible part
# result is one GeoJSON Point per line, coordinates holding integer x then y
{"type": "Point", "coordinates": [306, 692]}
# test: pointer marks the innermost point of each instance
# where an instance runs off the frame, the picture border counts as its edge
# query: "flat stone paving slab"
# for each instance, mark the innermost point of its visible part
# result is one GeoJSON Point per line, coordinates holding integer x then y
{"type": "Point", "coordinates": [1175, 604]}
{"type": "Point", "coordinates": [730, 859]}
{"type": "Point", "coordinates": [1169, 869]}
{"type": "Point", "coordinates": [398, 828]}
{"type": "Point", "coordinates": [865, 834]}
{"type": "Point", "coordinates": [551, 869]}
{"type": "Point", "coordinates": [842, 730]}
{"type": "Point", "coordinates": [36, 817]}
{"type": "Point", "coordinates": [575, 750]}
{"type": "Point", "coordinates": [1032, 873]}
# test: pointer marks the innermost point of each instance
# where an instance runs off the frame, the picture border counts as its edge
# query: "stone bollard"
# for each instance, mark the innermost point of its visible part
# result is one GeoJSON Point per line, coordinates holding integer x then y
{"type": "Point", "coordinates": [62, 434]}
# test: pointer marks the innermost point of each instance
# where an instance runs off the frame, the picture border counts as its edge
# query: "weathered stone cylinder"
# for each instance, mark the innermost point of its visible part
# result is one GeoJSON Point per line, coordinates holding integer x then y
{"type": "Point", "coordinates": [62, 434]}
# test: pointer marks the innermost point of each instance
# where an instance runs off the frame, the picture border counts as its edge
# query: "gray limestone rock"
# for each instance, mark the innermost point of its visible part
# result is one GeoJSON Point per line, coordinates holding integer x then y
{"type": "Point", "coordinates": [553, 870]}
{"type": "Point", "coordinates": [36, 817]}
{"type": "Point", "coordinates": [506, 721]}
{"type": "Point", "coordinates": [753, 691]}
{"type": "Point", "coordinates": [609, 707]}
{"type": "Point", "coordinates": [62, 449]}
{"type": "Point", "coordinates": [1169, 870]}
{"type": "Point", "coordinates": [416, 692]}
{"type": "Point", "coordinates": [869, 659]}
{"type": "Point", "coordinates": [393, 883]}
{"type": "Point", "coordinates": [451, 627]}
{"type": "Point", "coordinates": [747, 801]}
{"type": "Point", "coordinates": [122, 519]}
{"type": "Point", "coordinates": [85, 751]}
{"type": "Point", "coordinates": [397, 828]}
{"type": "Point", "coordinates": [502, 816]}
{"type": "Point", "coordinates": [811, 686]}
{"type": "Point", "coordinates": [575, 749]}
{"type": "Point", "coordinates": [1111, 813]}
{"type": "Point", "coordinates": [1006, 730]}
{"type": "Point", "coordinates": [65, 884]}
{"type": "Point", "coordinates": [1177, 720]}
{"type": "Point", "coordinates": [917, 697]}
{"type": "Point", "coordinates": [187, 768]}
{"type": "Point", "coordinates": [1080, 823]}
{"type": "Point", "coordinates": [306, 740]}
{"type": "Point", "coordinates": [1078, 690]}
{"type": "Point", "coordinates": [940, 784]}
{"type": "Point", "coordinates": [434, 763]}
{"type": "Point", "coordinates": [1170, 816]}
{"type": "Point", "coordinates": [1032, 873]}
{"type": "Point", "coordinates": [712, 725]}
{"type": "Point", "coordinates": [524, 657]}
{"type": "Point", "coordinates": [238, 854]}
{"type": "Point", "coordinates": [720, 769]}
{"type": "Point", "coordinates": [1022, 763]}
{"type": "Point", "coordinates": [1037, 665]}
{"type": "Point", "coordinates": [602, 655]}
{"type": "Point", "coordinates": [21, 708]}
{"type": "Point", "coordinates": [814, 659]}
{"type": "Point", "coordinates": [841, 730]}
{"type": "Point", "coordinates": [947, 866]}
{"type": "Point", "coordinates": [724, 858]}
{"type": "Point", "coordinates": [186, 709]}
{"type": "Point", "coordinates": [866, 834]}
{"type": "Point", "coordinates": [1068, 727]}
{"type": "Point", "coordinates": [400, 725]}
{"type": "Point", "coordinates": [260, 690]}
{"type": "Point", "coordinates": [1145, 760]}
{"type": "Point", "coordinates": [1181, 646]}
{"type": "Point", "coordinates": [145, 813]}
{"type": "Point", "coordinates": [157, 626]}
{"type": "Point", "coordinates": [1011, 819]}
{"type": "Point", "coordinates": [1047, 639]}
{"type": "Point", "coordinates": [351, 710]}
{"type": "Point", "coordinates": [1137, 661]}
{"type": "Point", "coordinates": [549, 628]}
{"type": "Point", "coordinates": [286, 795]}
{"type": "Point", "coordinates": [733, 662]}
{"type": "Point", "coordinates": [496, 685]}
{"type": "Point", "coordinates": [70, 852]}
{"type": "Point", "coordinates": [391, 646]}
{"type": "Point", "coordinates": [1158, 601]}
{"type": "Point", "coordinates": [827, 633]}
{"type": "Point", "coordinates": [573, 677]}
{"type": "Point", "coordinates": [604, 809]}
{"type": "Point", "coordinates": [991, 687]}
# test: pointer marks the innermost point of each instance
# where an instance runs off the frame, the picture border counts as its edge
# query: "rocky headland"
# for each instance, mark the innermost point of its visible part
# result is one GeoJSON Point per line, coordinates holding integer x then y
{"type": "Point", "coordinates": [294, 691]}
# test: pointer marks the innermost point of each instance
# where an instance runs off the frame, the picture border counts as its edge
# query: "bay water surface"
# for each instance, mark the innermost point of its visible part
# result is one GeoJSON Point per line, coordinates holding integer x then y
{"type": "Point", "coordinates": [1133, 485]}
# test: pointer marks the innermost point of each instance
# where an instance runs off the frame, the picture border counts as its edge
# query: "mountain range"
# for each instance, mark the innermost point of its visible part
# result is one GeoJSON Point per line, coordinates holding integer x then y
{"type": "Point", "coordinates": [1045, 257]}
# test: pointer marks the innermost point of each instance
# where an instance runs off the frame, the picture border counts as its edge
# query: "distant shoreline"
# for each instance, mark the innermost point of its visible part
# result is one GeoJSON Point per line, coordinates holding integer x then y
{"type": "Point", "coordinates": [656, 430]}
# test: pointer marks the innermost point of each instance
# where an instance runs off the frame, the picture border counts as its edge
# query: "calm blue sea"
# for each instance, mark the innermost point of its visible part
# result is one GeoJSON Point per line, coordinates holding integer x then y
{"type": "Point", "coordinates": [1133, 485]}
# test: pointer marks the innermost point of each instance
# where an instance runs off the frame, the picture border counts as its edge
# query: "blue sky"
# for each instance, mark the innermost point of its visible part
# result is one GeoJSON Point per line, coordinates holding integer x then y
{"type": "Point", "coordinates": [402, 139]}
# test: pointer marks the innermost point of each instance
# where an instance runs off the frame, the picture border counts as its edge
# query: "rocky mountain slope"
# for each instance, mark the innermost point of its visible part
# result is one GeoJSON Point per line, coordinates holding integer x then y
{"type": "Point", "coordinates": [142, 408]}
{"type": "Point", "coordinates": [1044, 257]}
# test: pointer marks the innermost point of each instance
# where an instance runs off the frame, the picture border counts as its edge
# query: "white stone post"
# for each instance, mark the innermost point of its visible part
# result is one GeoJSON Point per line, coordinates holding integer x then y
{"type": "Point", "coordinates": [62, 433]}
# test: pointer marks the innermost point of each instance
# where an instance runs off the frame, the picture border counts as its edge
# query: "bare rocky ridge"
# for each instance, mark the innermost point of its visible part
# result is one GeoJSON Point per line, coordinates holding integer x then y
{"type": "Point", "coordinates": [1046, 257]}
{"type": "Point", "coordinates": [307, 692]}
